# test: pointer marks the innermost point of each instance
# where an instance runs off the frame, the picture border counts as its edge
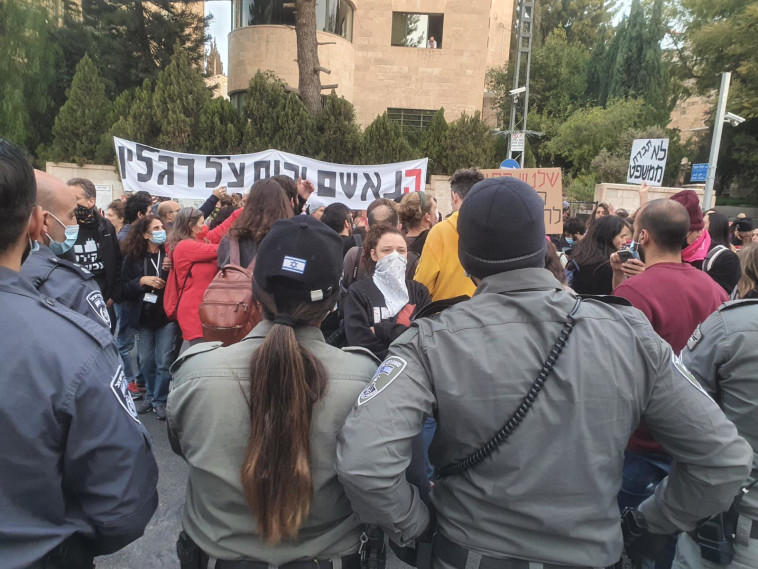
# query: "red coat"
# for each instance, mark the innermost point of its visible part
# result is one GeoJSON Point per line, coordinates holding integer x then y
{"type": "Point", "coordinates": [202, 259]}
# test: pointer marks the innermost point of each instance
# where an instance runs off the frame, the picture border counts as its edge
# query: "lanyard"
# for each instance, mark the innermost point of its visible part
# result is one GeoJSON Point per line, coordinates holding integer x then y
{"type": "Point", "coordinates": [157, 265]}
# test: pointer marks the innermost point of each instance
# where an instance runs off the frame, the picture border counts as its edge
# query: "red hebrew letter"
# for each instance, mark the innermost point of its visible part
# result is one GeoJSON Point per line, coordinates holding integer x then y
{"type": "Point", "coordinates": [414, 173]}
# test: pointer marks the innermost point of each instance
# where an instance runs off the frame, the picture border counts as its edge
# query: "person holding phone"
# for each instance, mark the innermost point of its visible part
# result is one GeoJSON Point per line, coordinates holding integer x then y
{"type": "Point", "coordinates": [589, 266]}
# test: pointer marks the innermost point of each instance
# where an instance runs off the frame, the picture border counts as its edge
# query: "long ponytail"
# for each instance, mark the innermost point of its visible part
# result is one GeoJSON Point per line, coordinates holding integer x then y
{"type": "Point", "coordinates": [286, 381]}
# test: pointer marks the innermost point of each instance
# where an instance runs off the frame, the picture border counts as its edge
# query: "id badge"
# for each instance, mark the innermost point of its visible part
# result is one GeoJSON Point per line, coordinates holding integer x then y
{"type": "Point", "coordinates": [150, 297]}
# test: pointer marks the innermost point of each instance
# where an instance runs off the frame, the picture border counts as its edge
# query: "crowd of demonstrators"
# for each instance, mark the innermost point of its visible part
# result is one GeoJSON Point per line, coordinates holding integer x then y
{"type": "Point", "coordinates": [229, 408]}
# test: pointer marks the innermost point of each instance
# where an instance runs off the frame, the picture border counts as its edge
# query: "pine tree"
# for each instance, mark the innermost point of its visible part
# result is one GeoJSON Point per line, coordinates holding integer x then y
{"type": "Point", "coordinates": [180, 94]}
{"type": "Point", "coordinates": [434, 142]}
{"type": "Point", "coordinates": [121, 107]}
{"type": "Point", "coordinates": [339, 134]}
{"type": "Point", "coordinates": [470, 144]}
{"type": "Point", "coordinates": [296, 131]}
{"type": "Point", "coordinates": [264, 97]}
{"type": "Point", "coordinates": [383, 143]}
{"type": "Point", "coordinates": [139, 123]}
{"type": "Point", "coordinates": [219, 129]}
{"type": "Point", "coordinates": [81, 122]}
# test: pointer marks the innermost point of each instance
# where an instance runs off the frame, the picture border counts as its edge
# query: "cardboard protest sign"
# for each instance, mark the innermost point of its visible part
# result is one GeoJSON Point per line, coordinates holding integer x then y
{"type": "Point", "coordinates": [549, 185]}
{"type": "Point", "coordinates": [194, 176]}
{"type": "Point", "coordinates": [648, 161]}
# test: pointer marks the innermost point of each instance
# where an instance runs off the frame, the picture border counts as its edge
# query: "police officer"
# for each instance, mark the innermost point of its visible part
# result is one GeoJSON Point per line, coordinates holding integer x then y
{"type": "Point", "coordinates": [723, 355]}
{"type": "Point", "coordinates": [50, 267]}
{"type": "Point", "coordinates": [260, 434]}
{"type": "Point", "coordinates": [548, 494]}
{"type": "Point", "coordinates": [77, 475]}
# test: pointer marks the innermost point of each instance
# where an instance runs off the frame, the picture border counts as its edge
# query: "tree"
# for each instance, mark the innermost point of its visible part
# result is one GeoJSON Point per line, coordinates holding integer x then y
{"type": "Point", "coordinates": [135, 39]}
{"type": "Point", "coordinates": [139, 123]}
{"type": "Point", "coordinates": [309, 80]}
{"type": "Point", "coordinates": [339, 134]}
{"type": "Point", "coordinates": [219, 129]}
{"type": "Point", "coordinates": [296, 128]}
{"type": "Point", "coordinates": [583, 21]}
{"type": "Point", "coordinates": [180, 94]}
{"type": "Point", "coordinates": [264, 96]}
{"type": "Point", "coordinates": [383, 143]}
{"type": "Point", "coordinates": [470, 143]}
{"type": "Point", "coordinates": [81, 122]}
{"type": "Point", "coordinates": [434, 142]}
{"type": "Point", "coordinates": [28, 60]}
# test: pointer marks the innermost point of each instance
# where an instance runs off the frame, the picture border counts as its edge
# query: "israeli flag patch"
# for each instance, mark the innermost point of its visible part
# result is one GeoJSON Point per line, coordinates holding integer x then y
{"type": "Point", "coordinates": [294, 265]}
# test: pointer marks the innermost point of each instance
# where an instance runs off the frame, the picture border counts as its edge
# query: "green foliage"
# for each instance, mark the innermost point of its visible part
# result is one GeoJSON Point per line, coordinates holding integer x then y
{"type": "Point", "coordinates": [383, 143]}
{"type": "Point", "coordinates": [583, 21]}
{"type": "Point", "coordinates": [581, 188]}
{"type": "Point", "coordinates": [434, 142]}
{"type": "Point", "coordinates": [470, 143]}
{"type": "Point", "coordinates": [180, 94]}
{"type": "Point", "coordinates": [28, 60]}
{"type": "Point", "coordinates": [139, 121]}
{"type": "Point", "coordinates": [81, 122]}
{"type": "Point", "coordinates": [296, 128]}
{"type": "Point", "coordinates": [265, 94]}
{"type": "Point", "coordinates": [219, 129]}
{"type": "Point", "coordinates": [585, 133]}
{"type": "Point", "coordinates": [339, 135]}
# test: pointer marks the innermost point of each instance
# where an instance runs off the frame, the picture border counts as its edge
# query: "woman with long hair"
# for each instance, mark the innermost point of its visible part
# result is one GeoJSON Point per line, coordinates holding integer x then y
{"type": "Point", "coordinates": [266, 204]}
{"type": "Point", "coordinates": [589, 266]}
{"type": "Point", "coordinates": [258, 421]}
{"type": "Point", "coordinates": [601, 210]}
{"type": "Point", "coordinates": [143, 282]}
{"type": "Point", "coordinates": [194, 264]}
{"type": "Point", "coordinates": [418, 213]}
{"type": "Point", "coordinates": [721, 263]}
{"type": "Point", "coordinates": [747, 287]}
{"type": "Point", "coordinates": [379, 307]}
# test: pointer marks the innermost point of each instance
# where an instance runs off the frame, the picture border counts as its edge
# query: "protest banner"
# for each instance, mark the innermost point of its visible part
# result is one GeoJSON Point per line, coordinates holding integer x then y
{"type": "Point", "coordinates": [647, 162]}
{"type": "Point", "coordinates": [548, 183]}
{"type": "Point", "coordinates": [194, 176]}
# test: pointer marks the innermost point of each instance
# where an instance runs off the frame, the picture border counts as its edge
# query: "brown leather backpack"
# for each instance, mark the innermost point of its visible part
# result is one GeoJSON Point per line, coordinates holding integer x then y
{"type": "Point", "coordinates": [229, 311]}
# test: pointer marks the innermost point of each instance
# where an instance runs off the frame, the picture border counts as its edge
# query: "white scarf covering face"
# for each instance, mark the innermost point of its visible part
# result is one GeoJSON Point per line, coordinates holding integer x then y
{"type": "Point", "coordinates": [389, 278]}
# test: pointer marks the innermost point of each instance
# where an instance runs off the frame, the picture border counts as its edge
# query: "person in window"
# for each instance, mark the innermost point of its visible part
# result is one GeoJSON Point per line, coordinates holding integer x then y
{"type": "Point", "coordinates": [379, 307]}
{"type": "Point", "coordinates": [589, 266]}
{"type": "Point", "coordinates": [144, 277]}
{"type": "Point", "coordinates": [432, 43]}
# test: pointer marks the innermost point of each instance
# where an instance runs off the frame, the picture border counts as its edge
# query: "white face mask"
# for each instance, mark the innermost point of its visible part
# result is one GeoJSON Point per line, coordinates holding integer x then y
{"type": "Point", "coordinates": [389, 278]}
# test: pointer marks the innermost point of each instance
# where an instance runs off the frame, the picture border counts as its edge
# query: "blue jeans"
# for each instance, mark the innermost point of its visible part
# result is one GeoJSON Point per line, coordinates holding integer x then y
{"type": "Point", "coordinates": [157, 348]}
{"type": "Point", "coordinates": [125, 343]}
{"type": "Point", "coordinates": [642, 474]}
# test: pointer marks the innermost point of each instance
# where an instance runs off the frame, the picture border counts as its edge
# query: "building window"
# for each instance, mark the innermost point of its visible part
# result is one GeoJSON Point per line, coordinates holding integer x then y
{"type": "Point", "coordinates": [411, 119]}
{"type": "Point", "coordinates": [417, 30]}
{"type": "Point", "coordinates": [333, 16]}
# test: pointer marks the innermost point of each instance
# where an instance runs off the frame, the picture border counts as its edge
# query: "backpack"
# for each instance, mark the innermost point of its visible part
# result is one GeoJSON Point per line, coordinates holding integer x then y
{"type": "Point", "coordinates": [229, 311]}
{"type": "Point", "coordinates": [711, 257]}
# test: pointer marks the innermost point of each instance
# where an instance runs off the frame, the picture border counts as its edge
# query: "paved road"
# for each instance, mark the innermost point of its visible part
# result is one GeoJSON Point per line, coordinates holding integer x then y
{"type": "Point", "coordinates": [156, 549]}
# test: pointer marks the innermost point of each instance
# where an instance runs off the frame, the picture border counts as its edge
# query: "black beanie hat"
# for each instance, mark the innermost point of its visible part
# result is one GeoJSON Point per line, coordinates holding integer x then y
{"type": "Point", "coordinates": [501, 227]}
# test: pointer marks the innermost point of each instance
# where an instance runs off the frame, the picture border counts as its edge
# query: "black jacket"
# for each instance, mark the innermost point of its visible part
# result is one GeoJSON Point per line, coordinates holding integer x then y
{"type": "Point", "coordinates": [110, 253]}
{"type": "Point", "coordinates": [363, 310]}
{"type": "Point", "coordinates": [724, 268]}
{"type": "Point", "coordinates": [132, 293]}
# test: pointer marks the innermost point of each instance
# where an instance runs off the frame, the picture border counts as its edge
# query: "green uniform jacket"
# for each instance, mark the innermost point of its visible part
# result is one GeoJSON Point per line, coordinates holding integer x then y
{"type": "Point", "coordinates": [723, 355]}
{"type": "Point", "coordinates": [209, 415]}
{"type": "Point", "coordinates": [549, 493]}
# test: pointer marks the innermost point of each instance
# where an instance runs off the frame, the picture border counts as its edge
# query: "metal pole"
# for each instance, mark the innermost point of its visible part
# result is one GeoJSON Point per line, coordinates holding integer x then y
{"type": "Point", "coordinates": [514, 100]}
{"type": "Point", "coordinates": [526, 33]}
{"type": "Point", "coordinates": [716, 142]}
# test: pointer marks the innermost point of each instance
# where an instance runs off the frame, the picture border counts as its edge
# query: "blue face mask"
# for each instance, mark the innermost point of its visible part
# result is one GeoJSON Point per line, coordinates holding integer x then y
{"type": "Point", "coordinates": [72, 232]}
{"type": "Point", "coordinates": [569, 240]}
{"type": "Point", "coordinates": [159, 237]}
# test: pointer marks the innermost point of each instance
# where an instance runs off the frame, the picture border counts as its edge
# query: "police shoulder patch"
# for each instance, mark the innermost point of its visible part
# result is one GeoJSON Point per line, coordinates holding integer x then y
{"type": "Point", "coordinates": [388, 371]}
{"type": "Point", "coordinates": [687, 374]}
{"type": "Point", "coordinates": [119, 387]}
{"type": "Point", "coordinates": [694, 340]}
{"type": "Point", "coordinates": [97, 304]}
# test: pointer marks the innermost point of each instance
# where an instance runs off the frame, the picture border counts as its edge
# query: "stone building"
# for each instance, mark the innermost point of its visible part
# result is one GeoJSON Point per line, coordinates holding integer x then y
{"type": "Point", "coordinates": [404, 57]}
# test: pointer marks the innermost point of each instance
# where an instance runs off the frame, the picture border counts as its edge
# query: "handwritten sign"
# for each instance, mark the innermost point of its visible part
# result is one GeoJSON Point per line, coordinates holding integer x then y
{"type": "Point", "coordinates": [648, 161]}
{"type": "Point", "coordinates": [548, 183]}
{"type": "Point", "coordinates": [194, 176]}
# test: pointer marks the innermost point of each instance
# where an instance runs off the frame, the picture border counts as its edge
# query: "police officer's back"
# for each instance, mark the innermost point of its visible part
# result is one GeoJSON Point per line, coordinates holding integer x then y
{"type": "Point", "coordinates": [548, 495]}
{"type": "Point", "coordinates": [258, 421]}
{"type": "Point", "coordinates": [77, 476]}
{"type": "Point", "coordinates": [51, 267]}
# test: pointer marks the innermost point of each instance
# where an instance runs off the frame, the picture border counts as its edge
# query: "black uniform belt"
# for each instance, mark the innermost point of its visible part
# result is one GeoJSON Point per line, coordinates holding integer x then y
{"type": "Point", "coordinates": [457, 556]}
{"type": "Point", "coordinates": [352, 561]}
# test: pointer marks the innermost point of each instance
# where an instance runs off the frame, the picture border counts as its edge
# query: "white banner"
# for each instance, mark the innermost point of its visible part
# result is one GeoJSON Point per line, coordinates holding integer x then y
{"type": "Point", "coordinates": [648, 161]}
{"type": "Point", "coordinates": [194, 176]}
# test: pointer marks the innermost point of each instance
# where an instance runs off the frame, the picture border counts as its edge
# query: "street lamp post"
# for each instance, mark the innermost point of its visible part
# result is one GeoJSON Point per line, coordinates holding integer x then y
{"type": "Point", "coordinates": [718, 127]}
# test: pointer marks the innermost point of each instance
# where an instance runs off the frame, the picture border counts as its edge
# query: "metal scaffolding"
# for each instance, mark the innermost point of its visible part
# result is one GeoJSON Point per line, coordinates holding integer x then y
{"type": "Point", "coordinates": [520, 92]}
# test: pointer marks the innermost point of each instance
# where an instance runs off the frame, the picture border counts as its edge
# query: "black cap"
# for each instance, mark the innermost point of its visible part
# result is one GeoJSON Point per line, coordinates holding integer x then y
{"type": "Point", "coordinates": [744, 225]}
{"type": "Point", "coordinates": [501, 227]}
{"type": "Point", "coordinates": [299, 259]}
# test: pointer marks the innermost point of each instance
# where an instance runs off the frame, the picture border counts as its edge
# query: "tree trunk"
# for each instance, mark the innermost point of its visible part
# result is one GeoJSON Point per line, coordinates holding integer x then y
{"type": "Point", "coordinates": [309, 83]}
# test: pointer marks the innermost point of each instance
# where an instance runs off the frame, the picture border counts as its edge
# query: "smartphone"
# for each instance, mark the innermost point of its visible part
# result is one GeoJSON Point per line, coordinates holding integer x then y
{"type": "Point", "coordinates": [625, 255]}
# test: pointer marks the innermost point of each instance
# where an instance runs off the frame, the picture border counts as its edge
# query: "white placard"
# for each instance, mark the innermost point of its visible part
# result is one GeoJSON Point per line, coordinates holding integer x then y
{"type": "Point", "coordinates": [104, 196]}
{"type": "Point", "coordinates": [648, 161]}
{"type": "Point", "coordinates": [517, 141]}
{"type": "Point", "coordinates": [195, 176]}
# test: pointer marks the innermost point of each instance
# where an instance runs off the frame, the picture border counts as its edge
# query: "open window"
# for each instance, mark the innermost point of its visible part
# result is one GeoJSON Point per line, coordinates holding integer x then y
{"type": "Point", "coordinates": [410, 29]}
